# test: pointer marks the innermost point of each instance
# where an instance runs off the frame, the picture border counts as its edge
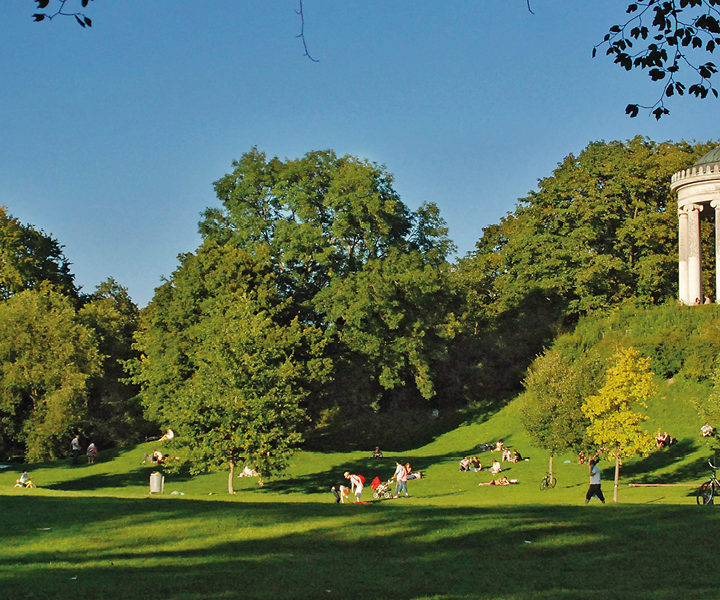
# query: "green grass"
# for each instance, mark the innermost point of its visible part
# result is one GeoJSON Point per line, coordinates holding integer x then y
{"type": "Point", "coordinates": [92, 531]}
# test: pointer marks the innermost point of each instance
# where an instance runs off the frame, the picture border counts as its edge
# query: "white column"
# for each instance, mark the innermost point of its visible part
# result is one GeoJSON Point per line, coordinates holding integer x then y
{"type": "Point", "coordinates": [694, 265]}
{"type": "Point", "coordinates": [683, 256]}
{"type": "Point", "coordinates": [716, 205]}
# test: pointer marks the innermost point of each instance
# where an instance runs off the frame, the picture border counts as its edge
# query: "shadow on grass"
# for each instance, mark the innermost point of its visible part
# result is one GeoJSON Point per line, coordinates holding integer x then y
{"type": "Point", "coordinates": [650, 469]}
{"type": "Point", "coordinates": [276, 550]}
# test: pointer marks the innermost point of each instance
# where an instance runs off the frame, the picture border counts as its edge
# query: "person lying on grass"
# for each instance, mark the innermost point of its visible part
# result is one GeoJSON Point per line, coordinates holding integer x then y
{"type": "Point", "coordinates": [500, 481]}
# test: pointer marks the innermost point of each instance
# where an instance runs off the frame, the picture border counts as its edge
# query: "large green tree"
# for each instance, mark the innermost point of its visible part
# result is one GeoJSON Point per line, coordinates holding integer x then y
{"type": "Point", "coordinates": [555, 388]}
{"type": "Point", "coordinates": [47, 358]}
{"type": "Point", "coordinates": [114, 412]}
{"type": "Point", "coordinates": [29, 257]}
{"type": "Point", "coordinates": [224, 365]}
{"type": "Point", "coordinates": [601, 229]}
{"type": "Point", "coordinates": [354, 259]}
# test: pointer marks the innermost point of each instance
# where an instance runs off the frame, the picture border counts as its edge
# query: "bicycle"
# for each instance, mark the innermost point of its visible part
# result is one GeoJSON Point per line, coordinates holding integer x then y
{"type": "Point", "coordinates": [547, 482]}
{"type": "Point", "coordinates": [711, 488]}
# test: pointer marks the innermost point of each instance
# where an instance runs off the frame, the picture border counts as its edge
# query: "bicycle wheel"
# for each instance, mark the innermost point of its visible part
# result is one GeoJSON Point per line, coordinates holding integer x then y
{"type": "Point", "coordinates": [552, 482]}
{"type": "Point", "coordinates": [707, 492]}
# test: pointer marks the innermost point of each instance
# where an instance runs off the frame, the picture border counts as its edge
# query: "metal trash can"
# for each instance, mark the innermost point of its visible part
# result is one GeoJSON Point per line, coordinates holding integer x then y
{"type": "Point", "coordinates": [157, 483]}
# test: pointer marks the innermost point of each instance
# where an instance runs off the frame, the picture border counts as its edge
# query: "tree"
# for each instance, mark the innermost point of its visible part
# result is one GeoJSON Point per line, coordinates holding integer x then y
{"type": "Point", "coordinates": [600, 230]}
{"type": "Point", "coordinates": [29, 257]}
{"type": "Point", "coordinates": [554, 392]}
{"type": "Point", "coordinates": [114, 411]}
{"type": "Point", "coordinates": [354, 260]}
{"type": "Point", "coordinates": [614, 425]}
{"type": "Point", "coordinates": [672, 37]}
{"type": "Point", "coordinates": [247, 369]}
{"type": "Point", "coordinates": [47, 359]}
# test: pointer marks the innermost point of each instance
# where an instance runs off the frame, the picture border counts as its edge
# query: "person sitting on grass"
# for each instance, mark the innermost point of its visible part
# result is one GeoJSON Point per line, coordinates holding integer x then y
{"type": "Point", "coordinates": [475, 464]}
{"type": "Point", "coordinates": [168, 435]}
{"type": "Point", "coordinates": [377, 453]}
{"type": "Point", "coordinates": [465, 464]}
{"type": "Point", "coordinates": [516, 458]}
{"type": "Point", "coordinates": [24, 481]}
{"type": "Point", "coordinates": [495, 468]}
{"type": "Point", "coordinates": [499, 446]}
{"type": "Point", "coordinates": [707, 430]}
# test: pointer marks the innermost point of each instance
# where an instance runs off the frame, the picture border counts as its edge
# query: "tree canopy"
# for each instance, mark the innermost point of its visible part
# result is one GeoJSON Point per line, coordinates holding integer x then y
{"type": "Point", "coordinates": [29, 257]}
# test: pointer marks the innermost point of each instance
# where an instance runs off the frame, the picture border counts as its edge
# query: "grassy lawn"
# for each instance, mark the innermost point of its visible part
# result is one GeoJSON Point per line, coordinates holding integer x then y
{"type": "Point", "coordinates": [92, 531]}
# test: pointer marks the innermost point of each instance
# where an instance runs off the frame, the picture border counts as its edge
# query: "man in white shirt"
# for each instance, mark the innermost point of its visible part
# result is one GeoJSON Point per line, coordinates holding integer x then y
{"type": "Point", "coordinates": [594, 489]}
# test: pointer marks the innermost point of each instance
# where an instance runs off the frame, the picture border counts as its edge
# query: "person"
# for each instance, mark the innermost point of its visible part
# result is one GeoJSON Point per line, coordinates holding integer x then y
{"type": "Point", "coordinates": [516, 458]}
{"type": "Point", "coordinates": [499, 445]}
{"type": "Point", "coordinates": [506, 455]}
{"type": "Point", "coordinates": [400, 476]}
{"type": "Point", "coordinates": [75, 449]}
{"type": "Point", "coordinates": [168, 435]}
{"type": "Point", "coordinates": [475, 464]}
{"type": "Point", "coordinates": [707, 430]}
{"type": "Point", "coordinates": [92, 453]}
{"type": "Point", "coordinates": [465, 464]}
{"type": "Point", "coordinates": [594, 489]}
{"type": "Point", "coordinates": [500, 481]}
{"type": "Point", "coordinates": [24, 481]}
{"type": "Point", "coordinates": [412, 474]}
{"type": "Point", "coordinates": [581, 458]}
{"type": "Point", "coordinates": [707, 300]}
{"type": "Point", "coordinates": [357, 482]}
{"type": "Point", "coordinates": [378, 453]}
{"type": "Point", "coordinates": [495, 468]}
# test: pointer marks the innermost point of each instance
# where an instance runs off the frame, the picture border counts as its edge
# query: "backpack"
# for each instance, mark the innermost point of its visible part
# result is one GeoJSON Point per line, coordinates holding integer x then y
{"type": "Point", "coordinates": [362, 479]}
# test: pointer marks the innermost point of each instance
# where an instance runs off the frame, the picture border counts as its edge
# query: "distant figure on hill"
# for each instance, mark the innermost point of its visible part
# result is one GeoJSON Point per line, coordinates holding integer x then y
{"type": "Point", "coordinates": [500, 481]}
{"type": "Point", "coordinates": [594, 489]}
{"type": "Point", "coordinates": [92, 453]}
{"type": "Point", "coordinates": [499, 445]}
{"type": "Point", "coordinates": [465, 464]}
{"type": "Point", "coordinates": [495, 468]}
{"type": "Point", "coordinates": [707, 430]}
{"type": "Point", "coordinates": [475, 464]}
{"type": "Point", "coordinates": [377, 453]}
{"type": "Point", "coordinates": [707, 300]}
{"type": "Point", "coordinates": [168, 435]}
{"type": "Point", "coordinates": [24, 481]}
{"type": "Point", "coordinates": [75, 449]}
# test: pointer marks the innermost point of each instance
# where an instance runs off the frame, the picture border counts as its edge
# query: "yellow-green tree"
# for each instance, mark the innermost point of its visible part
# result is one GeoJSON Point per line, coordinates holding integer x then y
{"type": "Point", "coordinates": [614, 425]}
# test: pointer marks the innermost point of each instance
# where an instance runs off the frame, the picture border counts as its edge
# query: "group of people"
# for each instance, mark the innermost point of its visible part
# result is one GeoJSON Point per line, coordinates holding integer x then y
{"type": "Point", "coordinates": [403, 473]}
{"type": "Point", "coordinates": [663, 440]}
{"type": "Point", "coordinates": [75, 449]}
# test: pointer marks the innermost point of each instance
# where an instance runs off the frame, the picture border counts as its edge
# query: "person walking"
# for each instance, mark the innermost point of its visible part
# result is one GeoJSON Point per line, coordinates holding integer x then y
{"type": "Point", "coordinates": [594, 489]}
{"type": "Point", "coordinates": [400, 476]}
{"type": "Point", "coordinates": [75, 449]}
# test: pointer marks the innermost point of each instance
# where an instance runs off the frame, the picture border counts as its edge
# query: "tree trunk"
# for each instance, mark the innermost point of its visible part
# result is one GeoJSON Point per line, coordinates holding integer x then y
{"type": "Point", "coordinates": [550, 466]}
{"type": "Point", "coordinates": [231, 475]}
{"type": "Point", "coordinates": [617, 476]}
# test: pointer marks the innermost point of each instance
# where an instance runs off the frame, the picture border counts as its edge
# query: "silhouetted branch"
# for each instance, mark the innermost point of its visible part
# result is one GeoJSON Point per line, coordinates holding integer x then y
{"type": "Point", "coordinates": [301, 35]}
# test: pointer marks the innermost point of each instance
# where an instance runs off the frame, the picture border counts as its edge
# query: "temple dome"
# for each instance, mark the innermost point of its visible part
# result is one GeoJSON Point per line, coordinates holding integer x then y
{"type": "Point", "coordinates": [711, 157]}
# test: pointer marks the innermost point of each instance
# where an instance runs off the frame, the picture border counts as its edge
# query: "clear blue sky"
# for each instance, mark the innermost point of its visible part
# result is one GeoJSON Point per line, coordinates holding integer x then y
{"type": "Point", "coordinates": [111, 138]}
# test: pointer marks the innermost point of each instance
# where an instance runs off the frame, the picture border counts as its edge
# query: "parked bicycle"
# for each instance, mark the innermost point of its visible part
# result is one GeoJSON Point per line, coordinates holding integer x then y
{"type": "Point", "coordinates": [547, 482]}
{"type": "Point", "coordinates": [710, 489]}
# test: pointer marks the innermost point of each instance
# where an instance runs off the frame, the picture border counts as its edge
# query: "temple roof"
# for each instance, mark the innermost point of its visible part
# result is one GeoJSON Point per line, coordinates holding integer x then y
{"type": "Point", "coordinates": [711, 157]}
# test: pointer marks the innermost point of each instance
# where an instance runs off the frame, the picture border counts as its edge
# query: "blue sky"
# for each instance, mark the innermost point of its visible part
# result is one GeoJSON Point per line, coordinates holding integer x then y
{"type": "Point", "coordinates": [111, 138]}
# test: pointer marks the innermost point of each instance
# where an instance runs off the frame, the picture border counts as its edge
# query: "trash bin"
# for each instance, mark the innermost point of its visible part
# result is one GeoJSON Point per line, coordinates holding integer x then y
{"type": "Point", "coordinates": [157, 483]}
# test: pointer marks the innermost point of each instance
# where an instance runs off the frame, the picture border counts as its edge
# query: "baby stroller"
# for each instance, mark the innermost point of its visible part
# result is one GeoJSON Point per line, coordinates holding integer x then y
{"type": "Point", "coordinates": [380, 489]}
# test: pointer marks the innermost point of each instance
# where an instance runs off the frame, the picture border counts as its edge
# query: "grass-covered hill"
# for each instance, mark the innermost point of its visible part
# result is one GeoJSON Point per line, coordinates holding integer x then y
{"type": "Point", "coordinates": [94, 531]}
